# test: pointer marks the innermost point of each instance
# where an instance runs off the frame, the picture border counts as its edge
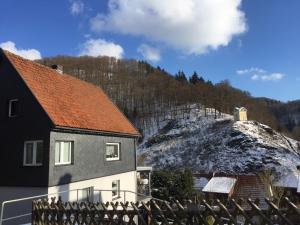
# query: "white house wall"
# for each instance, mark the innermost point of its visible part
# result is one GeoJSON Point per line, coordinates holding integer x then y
{"type": "Point", "coordinates": [127, 182]}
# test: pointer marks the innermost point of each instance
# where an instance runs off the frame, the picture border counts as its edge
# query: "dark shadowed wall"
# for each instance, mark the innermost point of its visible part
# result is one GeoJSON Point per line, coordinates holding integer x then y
{"type": "Point", "coordinates": [32, 123]}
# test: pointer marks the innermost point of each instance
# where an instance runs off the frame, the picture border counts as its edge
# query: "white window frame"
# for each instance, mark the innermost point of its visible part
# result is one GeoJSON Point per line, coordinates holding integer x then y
{"type": "Point", "coordinates": [34, 163]}
{"type": "Point", "coordinates": [118, 189]}
{"type": "Point", "coordinates": [61, 146]}
{"type": "Point", "coordinates": [90, 193]}
{"type": "Point", "coordinates": [115, 158]}
{"type": "Point", "coordinates": [9, 107]}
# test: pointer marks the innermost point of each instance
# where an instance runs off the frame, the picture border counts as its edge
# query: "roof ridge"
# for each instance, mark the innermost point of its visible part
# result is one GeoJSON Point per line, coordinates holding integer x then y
{"type": "Point", "coordinates": [46, 67]}
{"type": "Point", "coordinates": [22, 58]}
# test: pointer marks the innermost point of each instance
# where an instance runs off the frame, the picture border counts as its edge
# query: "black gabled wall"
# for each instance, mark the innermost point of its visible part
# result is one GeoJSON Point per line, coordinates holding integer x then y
{"type": "Point", "coordinates": [32, 124]}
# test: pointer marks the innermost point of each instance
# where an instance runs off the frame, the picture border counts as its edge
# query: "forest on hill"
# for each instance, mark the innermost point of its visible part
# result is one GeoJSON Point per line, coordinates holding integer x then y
{"type": "Point", "coordinates": [142, 91]}
{"type": "Point", "coordinates": [287, 115]}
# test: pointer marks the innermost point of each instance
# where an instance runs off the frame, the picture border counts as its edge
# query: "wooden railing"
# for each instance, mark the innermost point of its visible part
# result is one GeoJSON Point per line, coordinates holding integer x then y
{"type": "Point", "coordinates": [155, 212]}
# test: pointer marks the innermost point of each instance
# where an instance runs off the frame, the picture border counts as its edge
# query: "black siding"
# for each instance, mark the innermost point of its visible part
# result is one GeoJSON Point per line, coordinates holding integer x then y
{"type": "Point", "coordinates": [89, 157]}
{"type": "Point", "coordinates": [32, 124]}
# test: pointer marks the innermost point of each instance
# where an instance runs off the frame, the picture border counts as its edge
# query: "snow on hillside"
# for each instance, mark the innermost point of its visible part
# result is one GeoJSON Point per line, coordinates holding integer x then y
{"type": "Point", "coordinates": [209, 145]}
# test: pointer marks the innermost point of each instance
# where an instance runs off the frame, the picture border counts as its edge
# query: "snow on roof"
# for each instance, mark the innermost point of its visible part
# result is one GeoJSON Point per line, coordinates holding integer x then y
{"type": "Point", "coordinates": [288, 181]}
{"type": "Point", "coordinates": [222, 185]}
{"type": "Point", "coordinates": [200, 182]}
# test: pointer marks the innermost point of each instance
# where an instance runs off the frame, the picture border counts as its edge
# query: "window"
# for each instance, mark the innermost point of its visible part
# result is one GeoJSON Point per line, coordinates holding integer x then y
{"type": "Point", "coordinates": [115, 187]}
{"type": "Point", "coordinates": [63, 152]}
{"type": "Point", "coordinates": [13, 108]}
{"type": "Point", "coordinates": [33, 153]}
{"type": "Point", "coordinates": [112, 151]}
{"type": "Point", "coordinates": [87, 194]}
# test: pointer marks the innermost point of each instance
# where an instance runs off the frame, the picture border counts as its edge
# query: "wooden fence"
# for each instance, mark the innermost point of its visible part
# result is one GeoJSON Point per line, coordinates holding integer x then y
{"type": "Point", "coordinates": [162, 212]}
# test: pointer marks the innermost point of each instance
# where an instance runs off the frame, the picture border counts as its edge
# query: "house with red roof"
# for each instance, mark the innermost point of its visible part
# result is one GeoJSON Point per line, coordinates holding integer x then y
{"type": "Point", "coordinates": [59, 133]}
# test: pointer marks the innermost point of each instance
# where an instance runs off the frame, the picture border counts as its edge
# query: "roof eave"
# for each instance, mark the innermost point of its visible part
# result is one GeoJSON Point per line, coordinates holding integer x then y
{"type": "Point", "coordinates": [91, 131]}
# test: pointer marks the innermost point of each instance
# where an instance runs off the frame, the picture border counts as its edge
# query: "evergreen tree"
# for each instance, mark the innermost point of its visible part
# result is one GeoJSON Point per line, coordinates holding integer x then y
{"type": "Point", "coordinates": [180, 76]}
{"type": "Point", "coordinates": [201, 80]}
{"type": "Point", "coordinates": [194, 79]}
{"type": "Point", "coordinates": [172, 184]}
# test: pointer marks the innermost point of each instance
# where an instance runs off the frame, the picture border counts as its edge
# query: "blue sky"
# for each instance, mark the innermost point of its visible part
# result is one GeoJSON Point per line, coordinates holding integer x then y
{"type": "Point", "coordinates": [255, 44]}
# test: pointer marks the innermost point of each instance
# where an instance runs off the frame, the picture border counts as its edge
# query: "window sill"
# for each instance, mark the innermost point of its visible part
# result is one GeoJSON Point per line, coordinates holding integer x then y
{"type": "Point", "coordinates": [32, 165]}
{"type": "Point", "coordinates": [114, 198]}
{"type": "Point", "coordinates": [112, 159]}
{"type": "Point", "coordinates": [62, 164]}
{"type": "Point", "coordinates": [13, 116]}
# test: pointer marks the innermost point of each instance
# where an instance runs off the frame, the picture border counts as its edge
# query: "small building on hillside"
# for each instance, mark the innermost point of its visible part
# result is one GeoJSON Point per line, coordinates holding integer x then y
{"type": "Point", "coordinates": [240, 114]}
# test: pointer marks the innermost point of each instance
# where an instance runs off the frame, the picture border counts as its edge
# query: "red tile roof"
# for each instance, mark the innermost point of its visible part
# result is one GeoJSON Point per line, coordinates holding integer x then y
{"type": "Point", "coordinates": [70, 102]}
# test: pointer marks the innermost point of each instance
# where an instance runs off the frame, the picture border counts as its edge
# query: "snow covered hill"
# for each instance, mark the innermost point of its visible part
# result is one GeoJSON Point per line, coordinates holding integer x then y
{"type": "Point", "coordinates": [208, 145]}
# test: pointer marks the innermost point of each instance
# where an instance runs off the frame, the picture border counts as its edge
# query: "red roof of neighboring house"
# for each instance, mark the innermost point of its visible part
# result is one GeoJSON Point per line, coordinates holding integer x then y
{"type": "Point", "coordinates": [70, 102]}
{"type": "Point", "coordinates": [250, 187]}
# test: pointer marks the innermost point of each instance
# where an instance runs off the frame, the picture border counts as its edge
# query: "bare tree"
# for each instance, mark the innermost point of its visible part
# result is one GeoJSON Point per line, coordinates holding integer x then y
{"type": "Point", "coordinates": [272, 191]}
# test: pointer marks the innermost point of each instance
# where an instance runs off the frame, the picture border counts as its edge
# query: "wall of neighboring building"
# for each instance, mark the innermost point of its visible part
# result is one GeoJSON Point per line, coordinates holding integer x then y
{"type": "Point", "coordinates": [89, 157]}
{"type": "Point", "coordinates": [99, 185]}
{"type": "Point", "coordinates": [32, 123]}
{"type": "Point", "coordinates": [21, 207]}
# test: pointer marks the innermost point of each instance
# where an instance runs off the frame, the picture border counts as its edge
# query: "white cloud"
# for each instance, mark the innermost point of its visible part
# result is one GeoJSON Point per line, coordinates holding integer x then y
{"type": "Point", "coordinates": [149, 52]}
{"type": "Point", "coordinates": [97, 23]}
{"type": "Point", "coordinates": [192, 26]}
{"type": "Point", "coordinates": [101, 47]}
{"type": "Point", "coordinates": [250, 70]}
{"type": "Point", "coordinates": [260, 74]}
{"type": "Point", "coordinates": [254, 77]}
{"type": "Point", "coordinates": [240, 43]}
{"type": "Point", "coordinates": [31, 54]}
{"type": "Point", "coordinates": [76, 7]}
{"type": "Point", "coordinates": [272, 76]}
